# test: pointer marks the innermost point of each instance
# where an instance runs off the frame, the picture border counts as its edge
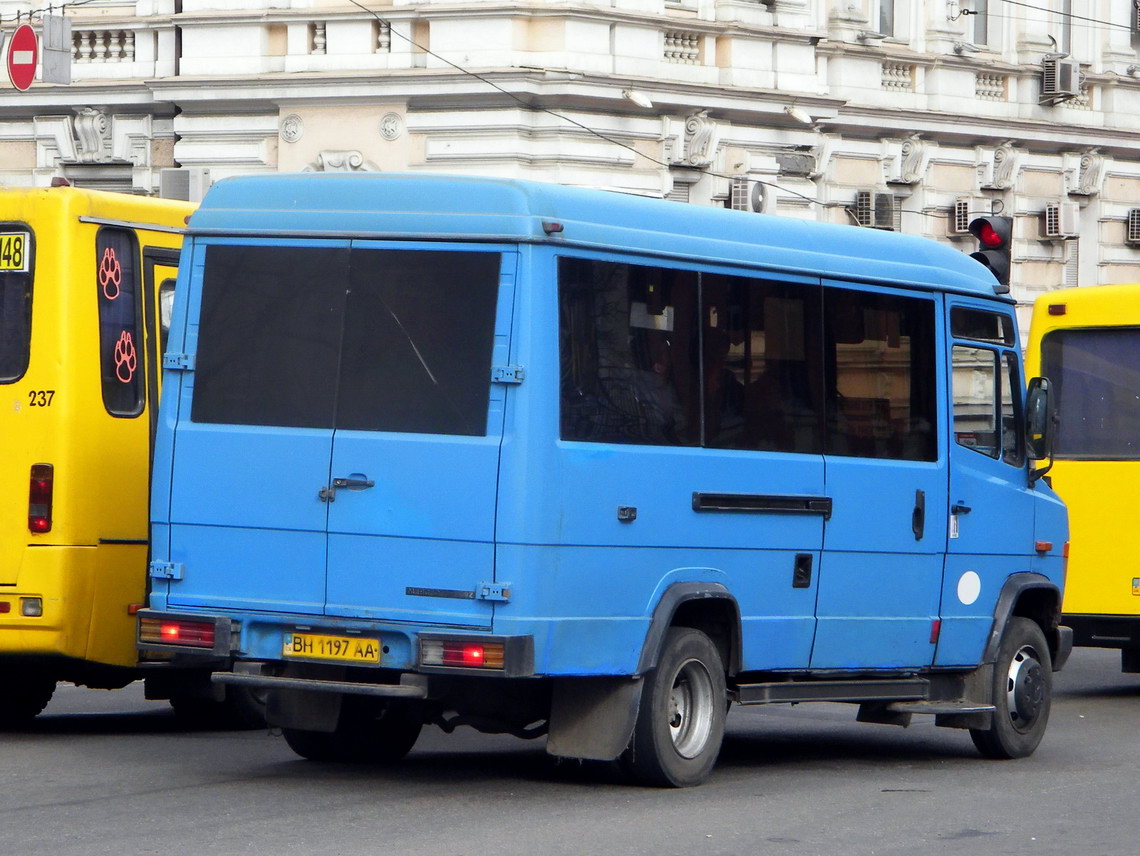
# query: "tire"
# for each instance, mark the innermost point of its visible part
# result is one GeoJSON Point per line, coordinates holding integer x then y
{"type": "Point", "coordinates": [23, 697]}
{"type": "Point", "coordinates": [360, 736]}
{"type": "Point", "coordinates": [1022, 693]}
{"type": "Point", "coordinates": [680, 723]}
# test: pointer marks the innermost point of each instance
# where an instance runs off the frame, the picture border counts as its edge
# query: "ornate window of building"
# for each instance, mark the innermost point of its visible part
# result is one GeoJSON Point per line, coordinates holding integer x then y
{"type": "Point", "coordinates": [886, 18]}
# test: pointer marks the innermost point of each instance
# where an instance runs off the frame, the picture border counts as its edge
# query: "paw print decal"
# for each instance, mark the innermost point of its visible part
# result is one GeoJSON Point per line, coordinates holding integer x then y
{"type": "Point", "coordinates": [126, 357]}
{"type": "Point", "coordinates": [110, 273]}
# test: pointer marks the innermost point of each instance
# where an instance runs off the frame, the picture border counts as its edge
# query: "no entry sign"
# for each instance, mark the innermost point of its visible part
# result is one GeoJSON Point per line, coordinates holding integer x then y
{"type": "Point", "coordinates": [23, 51]}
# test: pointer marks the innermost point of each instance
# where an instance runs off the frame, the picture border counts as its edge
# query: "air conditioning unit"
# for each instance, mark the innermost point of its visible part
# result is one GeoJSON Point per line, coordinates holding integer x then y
{"type": "Point", "coordinates": [1132, 235]}
{"type": "Point", "coordinates": [876, 210]}
{"type": "Point", "coordinates": [963, 211]}
{"type": "Point", "coordinates": [738, 195]}
{"type": "Point", "coordinates": [1060, 220]}
{"type": "Point", "coordinates": [1060, 79]}
{"type": "Point", "coordinates": [186, 183]}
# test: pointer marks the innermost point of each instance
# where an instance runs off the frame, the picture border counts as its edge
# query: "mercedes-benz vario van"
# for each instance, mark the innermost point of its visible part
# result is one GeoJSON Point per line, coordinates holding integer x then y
{"type": "Point", "coordinates": [553, 461]}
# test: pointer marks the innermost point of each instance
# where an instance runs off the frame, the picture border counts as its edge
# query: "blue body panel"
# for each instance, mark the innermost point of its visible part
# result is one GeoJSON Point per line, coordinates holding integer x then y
{"type": "Point", "coordinates": [237, 507]}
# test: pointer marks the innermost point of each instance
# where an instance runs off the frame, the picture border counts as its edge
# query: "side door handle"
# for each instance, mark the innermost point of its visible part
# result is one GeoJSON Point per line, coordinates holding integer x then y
{"type": "Point", "coordinates": [356, 481]}
{"type": "Point", "coordinates": [918, 516]}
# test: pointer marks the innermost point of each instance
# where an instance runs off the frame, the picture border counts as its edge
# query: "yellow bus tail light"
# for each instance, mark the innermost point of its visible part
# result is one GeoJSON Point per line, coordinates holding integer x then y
{"type": "Point", "coordinates": [40, 498]}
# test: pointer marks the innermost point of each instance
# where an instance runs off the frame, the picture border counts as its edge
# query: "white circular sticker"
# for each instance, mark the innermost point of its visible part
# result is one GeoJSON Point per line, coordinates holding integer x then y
{"type": "Point", "coordinates": [969, 587]}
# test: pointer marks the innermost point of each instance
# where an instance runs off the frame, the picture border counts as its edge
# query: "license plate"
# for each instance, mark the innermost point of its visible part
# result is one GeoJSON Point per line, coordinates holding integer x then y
{"type": "Point", "coordinates": [347, 649]}
{"type": "Point", "coordinates": [14, 251]}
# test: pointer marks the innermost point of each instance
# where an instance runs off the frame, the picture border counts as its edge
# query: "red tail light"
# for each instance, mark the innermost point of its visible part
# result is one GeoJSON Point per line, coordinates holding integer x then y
{"type": "Point", "coordinates": [177, 631]}
{"type": "Point", "coordinates": [40, 498]}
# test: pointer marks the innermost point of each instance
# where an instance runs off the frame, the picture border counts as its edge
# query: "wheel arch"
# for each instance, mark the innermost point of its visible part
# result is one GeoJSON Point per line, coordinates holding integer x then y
{"type": "Point", "coordinates": [705, 606]}
{"type": "Point", "coordinates": [1037, 598]}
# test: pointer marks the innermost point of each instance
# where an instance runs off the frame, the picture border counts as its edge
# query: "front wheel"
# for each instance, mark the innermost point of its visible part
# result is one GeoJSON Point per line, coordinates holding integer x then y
{"type": "Point", "coordinates": [1022, 693]}
{"type": "Point", "coordinates": [680, 724]}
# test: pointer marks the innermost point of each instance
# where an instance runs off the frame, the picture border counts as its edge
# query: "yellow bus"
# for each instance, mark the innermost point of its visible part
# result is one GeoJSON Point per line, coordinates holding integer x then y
{"type": "Point", "coordinates": [1087, 342]}
{"type": "Point", "coordinates": [86, 280]}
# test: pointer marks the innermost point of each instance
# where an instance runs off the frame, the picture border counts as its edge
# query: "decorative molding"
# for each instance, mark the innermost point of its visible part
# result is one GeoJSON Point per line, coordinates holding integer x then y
{"type": "Point", "coordinates": [694, 147]}
{"type": "Point", "coordinates": [331, 160]}
{"type": "Point", "coordinates": [391, 126]}
{"type": "Point", "coordinates": [1002, 171]}
{"type": "Point", "coordinates": [292, 128]}
{"type": "Point", "coordinates": [92, 132]}
{"type": "Point", "coordinates": [1091, 174]}
{"type": "Point", "coordinates": [912, 161]}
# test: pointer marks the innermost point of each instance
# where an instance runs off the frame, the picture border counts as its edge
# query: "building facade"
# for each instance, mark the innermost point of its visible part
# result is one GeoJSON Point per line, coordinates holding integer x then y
{"type": "Point", "coordinates": [914, 116]}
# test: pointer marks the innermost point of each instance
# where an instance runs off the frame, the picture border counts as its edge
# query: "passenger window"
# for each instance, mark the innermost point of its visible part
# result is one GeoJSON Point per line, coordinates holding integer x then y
{"type": "Point", "coordinates": [1012, 435]}
{"type": "Point", "coordinates": [629, 353]}
{"type": "Point", "coordinates": [15, 302]}
{"type": "Point", "coordinates": [882, 383]}
{"type": "Point", "coordinates": [418, 339]}
{"type": "Point", "coordinates": [269, 335]}
{"type": "Point", "coordinates": [762, 364]}
{"type": "Point", "coordinates": [975, 388]}
{"type": "Point", "coordinates": [121, 357]}
{"type": "Point", "coordinates": [981, 326]}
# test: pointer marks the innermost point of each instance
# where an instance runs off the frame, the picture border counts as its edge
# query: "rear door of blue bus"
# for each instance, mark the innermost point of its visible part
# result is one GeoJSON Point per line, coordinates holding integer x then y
{"type": "Point", "coordinates": [255, 424]}
{"type": "Point", "coordinates": [418, 428]}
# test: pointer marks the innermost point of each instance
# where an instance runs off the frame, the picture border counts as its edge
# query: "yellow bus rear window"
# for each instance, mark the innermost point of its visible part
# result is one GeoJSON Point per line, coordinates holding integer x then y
{"type": "Point", "coordinates": [16, 247]}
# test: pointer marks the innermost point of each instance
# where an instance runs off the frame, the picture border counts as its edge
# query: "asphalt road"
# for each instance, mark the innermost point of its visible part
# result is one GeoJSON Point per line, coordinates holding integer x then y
{"type": "Point", "coordinates": [111, 773]}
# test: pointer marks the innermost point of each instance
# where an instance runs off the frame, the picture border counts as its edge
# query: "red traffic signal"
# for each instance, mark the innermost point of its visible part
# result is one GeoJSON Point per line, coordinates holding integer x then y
{"type": "Point", "coordinates": [995, 236]}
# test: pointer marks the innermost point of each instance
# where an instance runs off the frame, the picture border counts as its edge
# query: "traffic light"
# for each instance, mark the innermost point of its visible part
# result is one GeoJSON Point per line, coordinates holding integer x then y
{"type": "Point", "coordinates": [994, 234]}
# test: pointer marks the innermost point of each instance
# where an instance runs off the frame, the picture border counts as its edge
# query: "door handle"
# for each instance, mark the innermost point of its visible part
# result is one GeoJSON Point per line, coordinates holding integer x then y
{"type": "Point", "coordinates": [354, 482]}
{"type": "Point", "coordinates": [918, 516]}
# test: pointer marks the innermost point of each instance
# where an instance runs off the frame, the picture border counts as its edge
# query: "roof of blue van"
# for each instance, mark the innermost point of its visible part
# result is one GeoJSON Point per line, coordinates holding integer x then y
{"type": "Point", "coordinates": [447, 207]}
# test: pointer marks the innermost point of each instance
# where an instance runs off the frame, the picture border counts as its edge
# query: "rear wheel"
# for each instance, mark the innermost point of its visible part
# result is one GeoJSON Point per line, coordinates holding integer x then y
{"type": "Point", "coordinates": [371, 737]}
{"type": "Point", "coordinates": [22, 696]}
{"type": "Point", "coordinates": [1022, 693]}
{"type": "Point", "coordinates": [680, 724]}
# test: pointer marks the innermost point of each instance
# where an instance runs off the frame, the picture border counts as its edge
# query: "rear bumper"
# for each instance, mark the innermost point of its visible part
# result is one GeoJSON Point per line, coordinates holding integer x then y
{"type": "Point", "coordinates": [262, 638]}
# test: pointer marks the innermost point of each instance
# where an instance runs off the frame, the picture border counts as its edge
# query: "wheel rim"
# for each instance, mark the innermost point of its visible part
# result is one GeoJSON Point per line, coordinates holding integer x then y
{"type": "Point", "coordinates": [1025, 688]}
{"type": "Point", "coordinates": [691, 708]}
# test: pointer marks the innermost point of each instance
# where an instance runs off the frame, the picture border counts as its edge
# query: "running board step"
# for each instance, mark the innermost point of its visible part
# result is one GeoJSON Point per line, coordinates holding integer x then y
{"type": "Point", "coordinates": [788, 692]}
{"type": "Point", "coordinates": [409, 689]}
{"type": "Point", "coordinates": [939, 707]}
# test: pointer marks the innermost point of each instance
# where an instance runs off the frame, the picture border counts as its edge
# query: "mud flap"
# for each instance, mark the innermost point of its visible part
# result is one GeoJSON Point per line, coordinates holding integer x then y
{"type": "Point", "coordinates": [305, 711]}
{"type": "Point", "coordinates": [593, 718]}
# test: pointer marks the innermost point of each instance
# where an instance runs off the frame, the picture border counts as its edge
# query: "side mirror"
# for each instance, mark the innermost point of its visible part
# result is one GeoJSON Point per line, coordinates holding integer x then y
{"type": "Point", "coordinates": [1040, 425]}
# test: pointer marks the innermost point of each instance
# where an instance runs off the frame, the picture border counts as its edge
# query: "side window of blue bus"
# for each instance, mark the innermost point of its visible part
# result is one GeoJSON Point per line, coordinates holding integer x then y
{"type": "Point", "coordinates": [121, 356]}
{"type": "Point", "coordinates": [16, 257]}
{"type": "Point", "coordinates": [881, 375]}
{"type": "Point", "coordinates": [764, 365]}
{"type": "Point", "coordinates": [986, 378]}
{"type": "Point", "coordinates": [629, 353]}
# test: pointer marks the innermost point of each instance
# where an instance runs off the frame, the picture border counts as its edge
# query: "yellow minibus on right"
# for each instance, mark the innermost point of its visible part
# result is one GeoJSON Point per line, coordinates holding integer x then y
{"type": "Point", "coordinates": [1087, 342]}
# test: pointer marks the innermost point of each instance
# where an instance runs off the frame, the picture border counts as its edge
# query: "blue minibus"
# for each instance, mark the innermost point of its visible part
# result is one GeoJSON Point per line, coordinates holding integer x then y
{"type": "Point", "coordinates": [574, 464]}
